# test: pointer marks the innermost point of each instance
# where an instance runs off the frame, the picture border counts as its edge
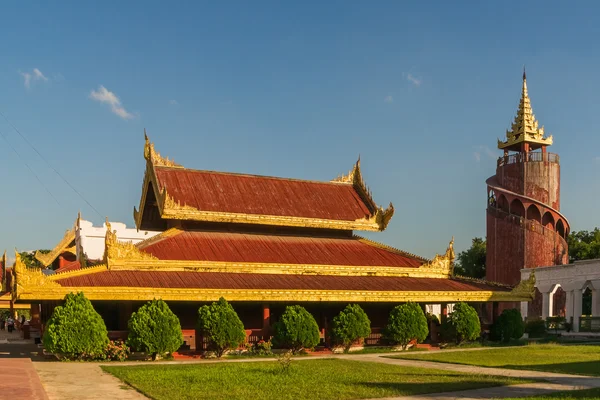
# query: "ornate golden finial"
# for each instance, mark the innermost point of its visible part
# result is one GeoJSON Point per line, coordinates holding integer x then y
{"type": "Point", "coordinates": [154, 157]}
{"type": "Point", "coordinates": [525, 128]}
{"type": "Point", "coordinates": [444, 264]}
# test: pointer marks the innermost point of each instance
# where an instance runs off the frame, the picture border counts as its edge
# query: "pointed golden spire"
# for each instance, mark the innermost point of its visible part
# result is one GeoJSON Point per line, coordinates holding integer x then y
{"type": "Point", "coordinates": [525, 128]}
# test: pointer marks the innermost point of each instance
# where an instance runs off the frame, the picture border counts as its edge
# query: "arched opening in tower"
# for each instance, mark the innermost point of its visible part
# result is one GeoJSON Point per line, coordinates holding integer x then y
{"type": "Point", "coordinates": [548, 220]}
{"type": "Point", "coordinates": [560, 228]}
{"type": "Point", "coordinates": [533, 213]}
{"type": "Point", "coordinates": [517, 208]}
{"type": "Point", "coordinates": [503, 203]}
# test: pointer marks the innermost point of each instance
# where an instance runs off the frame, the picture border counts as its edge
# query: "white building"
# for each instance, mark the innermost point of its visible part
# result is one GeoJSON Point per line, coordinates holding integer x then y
{"type": "Point", "coordinates": [89, 239]}
{"type": "Point", "coordinates": [574, 279]}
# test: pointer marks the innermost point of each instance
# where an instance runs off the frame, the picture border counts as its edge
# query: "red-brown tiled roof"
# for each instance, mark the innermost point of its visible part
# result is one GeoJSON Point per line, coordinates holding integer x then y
{"type": "Point", "coordinates": [274, 249]}
{"type": "Point", "coordinates": [217, 280]}
{"type": "Point", "coordinates": [71, 266]}
{"type": "Point", "coordinates": [262, 195]}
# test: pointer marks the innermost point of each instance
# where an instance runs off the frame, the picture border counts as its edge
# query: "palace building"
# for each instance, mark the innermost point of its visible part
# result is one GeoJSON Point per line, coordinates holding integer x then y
{"type": "Point", "coordinates": [261, 243]}
{"type": "Point", "coordinates": [525, 228]}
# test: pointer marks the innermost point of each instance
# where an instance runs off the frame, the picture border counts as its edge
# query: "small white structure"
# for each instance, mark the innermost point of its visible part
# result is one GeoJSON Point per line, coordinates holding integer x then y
{"type": "Point", "coordinates": [89, 239]}
{"type": "Point", "coordinates": [574, 279]}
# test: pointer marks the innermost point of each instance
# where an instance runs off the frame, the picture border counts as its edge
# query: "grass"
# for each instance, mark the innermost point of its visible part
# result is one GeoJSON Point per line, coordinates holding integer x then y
{"type": "Point", "coordinates": [306, 379]}
{"type": "Point", "coordinates": [567, 395]}
{"type": "Point", "coordinates": [569, 359]}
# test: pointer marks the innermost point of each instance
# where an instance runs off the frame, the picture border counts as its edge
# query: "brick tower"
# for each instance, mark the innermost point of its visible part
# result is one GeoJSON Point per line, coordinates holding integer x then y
{"type": "Point", "coordinates": [525, 228]}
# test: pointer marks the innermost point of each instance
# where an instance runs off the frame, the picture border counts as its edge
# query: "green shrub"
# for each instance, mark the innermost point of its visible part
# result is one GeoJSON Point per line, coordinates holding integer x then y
{"type": "Point", "coordinates": [75, 330]}
{"type": "Point", "coordinates": [154, 329]}
{"type": "Point", "coordinates": [509, 325]}
{"type": "Point", "coordinates": [350, 325]}
{"type": "Point", "coordinates": [432, 318]}
{"type": "Point", "coordinates": [536, 328]}
{"type": "Point", "coordinates": [462, 325]}
{"type": "Point", "coordinates": [221, 326]}
{"type": "Point", "coordinates": [406, 323]}
{"type": "Point", "coordinates": [261, 348]}
{"type": "Point", "coordinates": [296, 330]}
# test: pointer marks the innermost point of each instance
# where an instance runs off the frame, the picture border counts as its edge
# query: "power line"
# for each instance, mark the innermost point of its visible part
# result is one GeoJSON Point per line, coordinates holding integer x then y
{"type": "Point", "coordinates": [29, 168]}
{"type": "Point", "coordinates": [50, 166]}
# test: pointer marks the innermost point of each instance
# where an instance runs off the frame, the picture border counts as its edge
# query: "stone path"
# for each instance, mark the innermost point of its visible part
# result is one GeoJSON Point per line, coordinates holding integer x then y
{"type": "Point", "coordinates": [20, 380]}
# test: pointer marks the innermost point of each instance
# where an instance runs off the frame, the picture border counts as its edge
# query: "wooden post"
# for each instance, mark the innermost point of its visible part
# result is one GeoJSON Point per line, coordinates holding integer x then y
{"type": "Point", "coordinates": [444, 313]}
{"type": "Point", "coordinates": [266, 325]}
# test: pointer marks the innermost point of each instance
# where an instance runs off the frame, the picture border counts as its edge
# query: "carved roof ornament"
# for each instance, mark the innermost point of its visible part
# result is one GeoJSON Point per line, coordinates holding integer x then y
{"type": "Point", "coordinates": [154, 156]}
{"type": "Point", "coordinates": [28, 278]}
{"type": "Point", "coordinates": [525, 128]}
{"type": "Point", "coordinates": [379, 215]}
{"type": "Point", "coordinates": [63, 246]}
{"type": "Point", "coordinates": [118, 250]}
{"type": "Point", "coordinates": [443, 263]}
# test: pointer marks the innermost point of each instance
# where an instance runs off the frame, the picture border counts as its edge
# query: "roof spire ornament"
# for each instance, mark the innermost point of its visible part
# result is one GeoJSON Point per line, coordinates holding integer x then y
{"type": "Point", "coordinates": [525, 127]}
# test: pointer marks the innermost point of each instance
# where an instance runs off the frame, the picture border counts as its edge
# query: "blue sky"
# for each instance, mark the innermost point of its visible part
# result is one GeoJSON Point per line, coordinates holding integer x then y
{"type": "Point", "coordinates": [295, 90]}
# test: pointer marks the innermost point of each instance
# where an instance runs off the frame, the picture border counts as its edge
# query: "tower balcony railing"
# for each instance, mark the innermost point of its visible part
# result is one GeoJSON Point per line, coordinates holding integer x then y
{"type": "Point", "coordinates": [534, 156]}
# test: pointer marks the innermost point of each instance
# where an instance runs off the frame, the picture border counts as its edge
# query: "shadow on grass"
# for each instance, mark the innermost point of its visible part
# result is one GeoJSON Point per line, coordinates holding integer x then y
{"type": "Point", "coordinates": [416, 388]}
{"type": "Point", "coordinates": [587, 368]}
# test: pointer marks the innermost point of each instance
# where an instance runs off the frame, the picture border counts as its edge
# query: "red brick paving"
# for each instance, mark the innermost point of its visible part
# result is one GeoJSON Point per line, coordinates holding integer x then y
{"type": "Point", "coordinates": [19, 380]}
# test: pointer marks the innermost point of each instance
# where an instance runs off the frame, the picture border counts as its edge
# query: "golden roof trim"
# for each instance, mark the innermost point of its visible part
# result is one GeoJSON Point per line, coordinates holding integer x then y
{"type": "Point", "coordinates": [443, 263]}
{"type": "Point", "coordinates": [25, 277]}
{"type": "Point", "coordinates": [525, 128]}
{"type": "Point", "coordinates": [169, 294]}
{"type": "Point", "coordinates": [156, 238]}
{"type": "Point", "coordinates": [115, 249]}
{"type": "Point", "coordinates": [62, 246]}
{"type": "Point", "coordinates": [77, 272]}
{"type": "Point", "coordinates": [154, 157]}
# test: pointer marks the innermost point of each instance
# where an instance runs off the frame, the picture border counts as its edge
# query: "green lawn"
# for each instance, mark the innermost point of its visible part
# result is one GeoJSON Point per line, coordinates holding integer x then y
{"type": "Point", "coordinates": [306, 379]}
{"type": "Point", "coordinates": [569, 359]}
{"type": "Point", "coordinates": [575, 394]}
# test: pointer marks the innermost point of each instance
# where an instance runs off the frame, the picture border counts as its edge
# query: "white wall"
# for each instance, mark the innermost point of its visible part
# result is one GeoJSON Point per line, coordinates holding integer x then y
{"type": "Point", "coordinates": [90, 239]}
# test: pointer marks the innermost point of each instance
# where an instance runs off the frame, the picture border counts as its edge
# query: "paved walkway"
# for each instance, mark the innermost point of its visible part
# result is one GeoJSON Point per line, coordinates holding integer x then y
{"type": "Point", "coordinates": [20, 380]}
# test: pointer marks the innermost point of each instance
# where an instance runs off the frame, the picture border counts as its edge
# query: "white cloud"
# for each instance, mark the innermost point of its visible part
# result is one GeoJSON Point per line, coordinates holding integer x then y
{"type": "Point", "coordinates": [414, 80]}
{"type": "Point", "coordinates": [389, 99]}
{"type": "Point", "coordinates": [173, 102]}
{"type": "Point", "coordinates": [483, 151]}
{"type": "Point", "coordinates": [33, 76]}
{"type": "Point", "coordinates": [104, 95]}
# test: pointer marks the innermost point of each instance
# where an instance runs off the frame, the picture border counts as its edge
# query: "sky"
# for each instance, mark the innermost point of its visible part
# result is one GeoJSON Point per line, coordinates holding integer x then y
{"type": "Point", "coordinates": [421, 91]}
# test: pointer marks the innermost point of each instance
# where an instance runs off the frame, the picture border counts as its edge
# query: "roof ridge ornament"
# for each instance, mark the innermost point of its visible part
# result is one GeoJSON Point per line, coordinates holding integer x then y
{"type": "Point", "coordinates": [154, 157]}
{"type": "Point", "coordinates": [354, 177]}
{"type": "Point", "coordinates": [443, 263]}
{"type": "Point", "coordinates": [525, 128]}
{"type": "Point", "coordinates": [115, 250]}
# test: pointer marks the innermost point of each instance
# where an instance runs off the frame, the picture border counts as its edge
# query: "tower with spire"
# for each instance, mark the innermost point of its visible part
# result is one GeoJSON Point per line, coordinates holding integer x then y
{"type": "Point", "coordinates": [525, 228]}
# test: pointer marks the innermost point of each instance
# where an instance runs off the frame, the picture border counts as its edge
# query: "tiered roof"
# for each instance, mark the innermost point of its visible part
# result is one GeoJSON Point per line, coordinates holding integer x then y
{"type": "Point", "coordinates": [209, 196]}
{"type": "Point", "coordinates": [525, 127]}
{"type": "Point", "coordinates": [276, 263]}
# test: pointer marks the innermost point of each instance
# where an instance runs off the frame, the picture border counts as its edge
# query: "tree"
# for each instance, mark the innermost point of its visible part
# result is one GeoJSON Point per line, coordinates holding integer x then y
{"type": "Point", "coordinates": [584, 245]}
{"type": "Point", "coordinates": [28, 258]}
{"type": "Point", "coordinates": [296, 330]}
{"type": "Point", "coordinates": [154, 329]}
{"type": "Point", "coordinates": [221, 326]}
{"type": "Point", "coordinates": [471, 262]}
{"type": "Point", "coordinates": [463, 324]}
{"type": "Point", "coordinates": [406, 323]}
{"type": "Point", "coordinates": [350, 325]}
{"type": "Point", "coordinates": [508, 326]}
{"type": "Point", "coordinates": [75, 330]}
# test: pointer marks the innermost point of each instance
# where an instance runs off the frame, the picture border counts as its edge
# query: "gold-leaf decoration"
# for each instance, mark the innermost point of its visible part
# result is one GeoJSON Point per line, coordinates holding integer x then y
{"type": "Point", "coordinates": [443, 263]}
{"type": "Point", "coordinates": [117, 250]}
{"type": "Point", "coordinates": [28, 278]}
{"type": "Point", "coordinates": [154, 156]}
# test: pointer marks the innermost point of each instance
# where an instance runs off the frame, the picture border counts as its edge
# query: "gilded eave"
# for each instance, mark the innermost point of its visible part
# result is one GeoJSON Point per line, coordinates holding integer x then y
{"type": "Point", "coordinates": [170, 209]}
{"type": "Point", "coordinates": [63, 246]}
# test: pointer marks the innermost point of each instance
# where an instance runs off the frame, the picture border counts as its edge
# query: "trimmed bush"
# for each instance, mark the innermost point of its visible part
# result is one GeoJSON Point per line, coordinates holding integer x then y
{"type": "Point", "coordinates": [462, 325]}
{"type": "Point", "coordinates": [406, 323]}
{"type": "Point", "coordinates": [221, 326]}
{"type": "Point", "coordinates": [296, 330]}
{"type": "Point", "coordinates": [75, 330]}
{"type": "Point", "coordinates": [350, 325]}
{"type": "Point", "coordinates": [536, 328]}
{"type": "Point", "coordinates": [154, 329]}
{"type": "Point", "coordinates": [508, 326]}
